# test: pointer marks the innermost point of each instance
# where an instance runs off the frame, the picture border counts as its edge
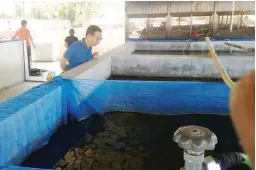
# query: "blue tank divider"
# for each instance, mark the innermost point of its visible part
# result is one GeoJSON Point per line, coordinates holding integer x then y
{"type": "Point", "coordinates": [176, 40]}
{"type": "Point", "coordinates": [28, 120]}
{"type": "Point", "coordinates": [158, 97]}
{"type": "Point", "coordinates": [86, 97]}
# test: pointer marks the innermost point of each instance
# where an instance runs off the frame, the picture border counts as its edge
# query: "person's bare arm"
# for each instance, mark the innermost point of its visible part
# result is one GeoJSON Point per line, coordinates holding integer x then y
{"type": "Point", "coordinates": [66, 45]}
{"type": "Point", "coordinates": [13, 37]}
{"type": "Point", "coordinates": [16, 34]}
{"type": "Point", "coordinates": [32, 40]}
{"type": "Point", "coordinates": [63, 63]}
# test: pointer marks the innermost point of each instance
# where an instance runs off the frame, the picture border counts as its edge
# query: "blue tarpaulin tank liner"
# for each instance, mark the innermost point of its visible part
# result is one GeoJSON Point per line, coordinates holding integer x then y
{"type": "Point", "coordinates": [27, 121]}
{"type": "Point", "coordinates": [155, 97]}
{"type": "Point", "coordinates": [17, 168]}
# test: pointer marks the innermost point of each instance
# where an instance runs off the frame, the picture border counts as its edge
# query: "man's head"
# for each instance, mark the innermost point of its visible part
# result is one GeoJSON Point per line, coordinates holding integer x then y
{"type": "Point", "coordinates": [71, 31]}
{"type": "Point", "coordinates": [93, 35]}
{"type": "Point", "coordinates": [24, 23]}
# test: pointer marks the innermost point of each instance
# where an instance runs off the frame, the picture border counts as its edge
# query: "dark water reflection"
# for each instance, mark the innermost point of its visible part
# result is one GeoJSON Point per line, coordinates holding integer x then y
{"type": "Point", "coordinates": [120, 140]}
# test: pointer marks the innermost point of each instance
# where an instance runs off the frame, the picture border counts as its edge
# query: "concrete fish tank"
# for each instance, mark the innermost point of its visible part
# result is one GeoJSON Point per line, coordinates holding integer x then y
{"type": "Point", "coordinates": [101, 115]}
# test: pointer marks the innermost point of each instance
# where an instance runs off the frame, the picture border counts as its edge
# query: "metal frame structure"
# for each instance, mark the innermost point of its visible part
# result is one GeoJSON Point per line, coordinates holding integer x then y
{"type": "Point", "coordinates": [214, 14]}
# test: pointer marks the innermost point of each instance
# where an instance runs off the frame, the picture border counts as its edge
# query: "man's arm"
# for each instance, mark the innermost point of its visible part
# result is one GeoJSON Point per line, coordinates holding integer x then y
{"type": "Point", "coordinates": [65, 59]}
{"type": "Point", "coordinates": [32, 41]}
{"type": "Point", "coordinates": [66, 43]}
{"type": "Point", "coordinates": [63, 63]}
{"type": "Point", "coordinates": [15, 35]}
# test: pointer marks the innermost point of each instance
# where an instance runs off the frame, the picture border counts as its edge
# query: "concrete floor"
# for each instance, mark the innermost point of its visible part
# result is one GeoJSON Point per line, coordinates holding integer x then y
{"type": "Point", "coordinates": [16, 90]}
{"type": "Point", "coordinates": [24, 86]}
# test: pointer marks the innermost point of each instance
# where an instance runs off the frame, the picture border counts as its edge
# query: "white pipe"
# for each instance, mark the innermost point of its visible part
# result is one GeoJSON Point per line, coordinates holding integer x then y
{"type": "Point", "coordinates": [231, 23]}
{"type": "Point", "coordinates": [191, 24]}
{"type": "Point", "coordinates": [238, 25]}
{"type": "Point", "coordinates": [179, 23]}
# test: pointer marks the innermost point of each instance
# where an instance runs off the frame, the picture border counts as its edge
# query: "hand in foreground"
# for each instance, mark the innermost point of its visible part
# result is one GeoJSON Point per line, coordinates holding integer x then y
{"type": "Point", "coordinates": [242, 105]}
{"type": "Point", "coordinates": [95, 55]}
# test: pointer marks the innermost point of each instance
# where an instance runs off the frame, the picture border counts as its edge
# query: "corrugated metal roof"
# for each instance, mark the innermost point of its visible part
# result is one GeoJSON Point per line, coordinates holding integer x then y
{"type": "Point", "coordinates": [180, 6]}
{"type": "Point", "coordinates": [135, 7]}
{"type": "Point", "coordinates": [239, 6]}
{"type": "Point", "coordinates": [146, 7]}
{"type": "Point", "coordinates": [202, 6]}
{"type": "Point", "coordinates": [224, 6]}
{"type": "Point", "coordinates": [245, 6]}
{"type": "Point", "coordinates": [158, 7]}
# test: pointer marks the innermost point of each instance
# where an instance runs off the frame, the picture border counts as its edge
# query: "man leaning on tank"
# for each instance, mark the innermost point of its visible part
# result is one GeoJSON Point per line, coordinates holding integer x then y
{"type": "Point", "coordinates": [80, 52]}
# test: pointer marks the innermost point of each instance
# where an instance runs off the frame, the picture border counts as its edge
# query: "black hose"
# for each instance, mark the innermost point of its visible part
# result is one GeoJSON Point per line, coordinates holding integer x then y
{"type": "Point", "coordinates": [227, 160]}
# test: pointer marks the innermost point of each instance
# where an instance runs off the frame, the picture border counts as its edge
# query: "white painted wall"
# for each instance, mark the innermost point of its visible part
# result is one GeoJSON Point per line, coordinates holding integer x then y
{"type": "Point", "coordinates": [47, 52]}
{"type": "Point", "coordinates": [11, 63]}
{"type": "Point", "coordinates": [34, 24]}
{"type": "Point", "coordinates": [6, 34]}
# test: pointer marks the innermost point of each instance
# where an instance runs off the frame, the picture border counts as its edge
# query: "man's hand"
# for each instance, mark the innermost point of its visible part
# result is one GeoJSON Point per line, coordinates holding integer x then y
{"type": "Point", "coordinates": [13, 37]}
{"type": "Point", "coordinates": [95, 55]}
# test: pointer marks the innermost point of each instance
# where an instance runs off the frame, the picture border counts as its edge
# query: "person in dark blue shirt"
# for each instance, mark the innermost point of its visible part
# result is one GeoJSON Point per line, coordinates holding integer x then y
{"type": "Point", "coordinates": [80, 51]}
